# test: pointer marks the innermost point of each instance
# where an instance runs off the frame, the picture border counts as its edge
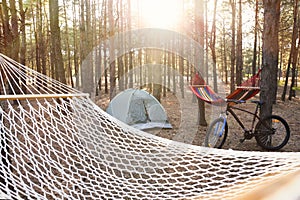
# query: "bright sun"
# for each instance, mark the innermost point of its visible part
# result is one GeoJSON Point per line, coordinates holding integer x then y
{"type": "Point", "coordinates": [160, 13]}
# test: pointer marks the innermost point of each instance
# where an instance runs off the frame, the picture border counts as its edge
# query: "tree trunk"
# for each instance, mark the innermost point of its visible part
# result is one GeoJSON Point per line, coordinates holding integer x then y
{"type": "Point", "coordinates": [11, 37]}
{"type": "Point", "coordinates": [23, 40]}
{"type": "Point", "coordinates": [15, 48]}
{"type": "Point", "coordinates": [199, 23]}
{"type": "Point", "coordinates": [7, 39]}
{"type": "Point", "coordinates": [165, 64]}
{"type": "Point", "coordinates": [130, 44]}
{"type": "Point", "coordinates": [270, 51]}
{"type": "Point", "coordinates": [15, 45]}
{"type": "Point", "coordinates": [23, 34]}
{"type": "Point", "coordinates": [156, 72]}
{"type": "Point", "coordinates": [254, 59]}
{"type": "Point", "coordinates": [174, 69]}
{"type": "Point", "coordinates": [157, 81]}
{"type": "Point", "coordinates": [224, 54]}
{"type": "Point", "coordinates": [292, 92]}
{"type": "Point", "coordinates": [213, 47]}
{"type": "Point", "coordinates": [206, 44]}
{"type": "Point", "coordinates": [56, 53]}
{"type": "Point", "coordinates": [170, 55]}
{"type": "Point", "coordinates": [232, 71]}
{"type": "Point", "coordinates": [181, 71]}
{"type": "Point", "coordinates": [2, 42]}
{"type": "Point", "coordinates": [121, 73]}
{"type": "Point", "coordinates": [239, 48]}
{"type": "Point", "coordinates": [75, 46]}
{"type": "Point", "coordinates": [292, 51]}
{"type": "Point", "coordinates": [69, 67]}
{"type": "Point", "coordinates": [105, 47]}
{"type": "Point", "coordinates": [112, 66]}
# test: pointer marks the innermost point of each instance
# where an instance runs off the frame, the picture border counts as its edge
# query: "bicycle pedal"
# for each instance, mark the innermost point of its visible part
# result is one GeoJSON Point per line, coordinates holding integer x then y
{"type": "Point", "coordinates": [242, 140]}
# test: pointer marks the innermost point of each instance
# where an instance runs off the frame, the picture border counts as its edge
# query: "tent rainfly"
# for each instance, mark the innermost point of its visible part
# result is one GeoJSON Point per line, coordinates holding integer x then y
{"type": "Point", "coordinates": [139, 109]}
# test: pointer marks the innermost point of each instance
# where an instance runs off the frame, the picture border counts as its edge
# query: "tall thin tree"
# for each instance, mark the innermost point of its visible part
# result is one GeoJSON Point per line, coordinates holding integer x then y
{"type": "Point", "coordinates": [239, 47]}
{"type": "Point", "coordinates": [270, 52]}
{"type": "Point", "coordinates": [292, 50]}
{"type": "Point", "coordinates": [232, 68]}
{"type": "Point", "coordinates": [254, 59]}
{"type": "Point", "coordinates": [15, 45]}
{"type": "Point", "coordinates": [213, 47]}
{"type": "Point", "coordinates": [295, 53]}
{"type": "Point", "coordinates": [67, 41]}
{"type": "Point", "coordinates": [23, 33]}
{"type": "Point", "coordinates": [112, 62]}
{"type": "Point", "coordinates": [199, 31]}
{"type": "Point", "coordinates": [56, 54]}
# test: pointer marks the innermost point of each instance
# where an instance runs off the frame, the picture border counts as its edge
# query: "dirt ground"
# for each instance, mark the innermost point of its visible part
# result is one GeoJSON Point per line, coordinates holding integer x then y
{"type": "Point", "coordinates": [191, 133]}
{"type": "Point", "coordinates": [182, 111]}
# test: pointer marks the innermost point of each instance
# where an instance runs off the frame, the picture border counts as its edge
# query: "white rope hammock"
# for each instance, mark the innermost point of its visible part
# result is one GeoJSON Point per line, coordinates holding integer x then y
{"type": "Point", "coordinates": [57, 144]}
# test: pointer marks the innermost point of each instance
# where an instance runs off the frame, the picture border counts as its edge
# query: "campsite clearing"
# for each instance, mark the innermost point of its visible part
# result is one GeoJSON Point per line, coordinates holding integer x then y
{"type": "Point", "coordinates": [182, 114]}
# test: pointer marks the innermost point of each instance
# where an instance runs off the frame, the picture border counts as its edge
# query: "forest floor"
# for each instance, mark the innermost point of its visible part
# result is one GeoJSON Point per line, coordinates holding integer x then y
{"type": "Point", "coordinates": [182, 114]}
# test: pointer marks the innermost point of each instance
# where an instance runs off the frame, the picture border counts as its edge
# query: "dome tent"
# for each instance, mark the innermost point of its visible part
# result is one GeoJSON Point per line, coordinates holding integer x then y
{"type": "Point", "coordinates": [139, 109]}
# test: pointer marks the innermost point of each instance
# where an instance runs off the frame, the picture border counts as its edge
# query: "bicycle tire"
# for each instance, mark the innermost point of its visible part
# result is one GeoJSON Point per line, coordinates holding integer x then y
{"type": "Point", "coordinates": [273, 139]}
{"type": "Point", "coordinates": [216, 133]}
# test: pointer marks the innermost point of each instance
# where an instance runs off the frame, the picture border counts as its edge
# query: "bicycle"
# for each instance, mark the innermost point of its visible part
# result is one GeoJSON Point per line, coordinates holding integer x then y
{"type": "Point", "coordinates": [271, 133]}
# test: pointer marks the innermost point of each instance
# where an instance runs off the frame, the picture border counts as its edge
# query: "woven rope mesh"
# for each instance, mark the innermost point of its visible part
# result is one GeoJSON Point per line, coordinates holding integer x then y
{"type": "Point", "coordinates": [68, 148]}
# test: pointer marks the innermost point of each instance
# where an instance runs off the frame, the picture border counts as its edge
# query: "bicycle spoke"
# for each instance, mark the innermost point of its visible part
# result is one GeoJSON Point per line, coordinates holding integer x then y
{"type": "Point", "coordinates": [216, 133]}
{"type": "Point", "coordinates": [272, 133]}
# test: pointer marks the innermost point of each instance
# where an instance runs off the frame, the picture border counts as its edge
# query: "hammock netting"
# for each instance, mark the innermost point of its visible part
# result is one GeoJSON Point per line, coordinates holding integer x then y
{"type": "Point", "coordinates": [57, 144]}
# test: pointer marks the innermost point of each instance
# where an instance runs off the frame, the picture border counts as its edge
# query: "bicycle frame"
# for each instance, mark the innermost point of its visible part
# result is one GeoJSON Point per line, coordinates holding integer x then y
{"type": "Point", "coordinates": [231, 109]}
{"type": "Point", "coordinates": [262, 129]}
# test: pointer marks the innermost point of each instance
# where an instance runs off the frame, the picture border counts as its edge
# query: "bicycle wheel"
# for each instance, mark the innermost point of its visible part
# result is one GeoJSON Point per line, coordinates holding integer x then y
{"type": "Point", "coordinates": [216, 133]}
{"type": "Point", "coordinates": [272, 133]}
